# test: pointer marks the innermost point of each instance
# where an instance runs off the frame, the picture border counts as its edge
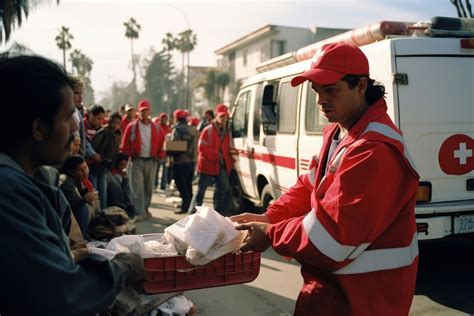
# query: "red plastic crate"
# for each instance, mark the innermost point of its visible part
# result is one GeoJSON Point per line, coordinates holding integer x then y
{"type": "Point", "coordinates": [175, 274]}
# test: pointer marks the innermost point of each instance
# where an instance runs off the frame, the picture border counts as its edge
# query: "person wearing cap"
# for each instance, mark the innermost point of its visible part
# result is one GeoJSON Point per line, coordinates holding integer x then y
{"type": "Point", "coordinates": [193, 121]}
{"type": "Point", "coordinates": [353, 232]}
{"type": "Point", "coordinates": [162, 121]}
{"type": "Point", "coordinates": [128, 117]}
{"type": "Point", "coordinates": [184, 162]}
{"type": "Point", "coordinates": [215, 161]}
{"type": "Point", "coordinates": [37, 270]}
{"type": "Point", "coordinates": [142, 141]}
{"type": "Point", "coordinates": [206, 120]}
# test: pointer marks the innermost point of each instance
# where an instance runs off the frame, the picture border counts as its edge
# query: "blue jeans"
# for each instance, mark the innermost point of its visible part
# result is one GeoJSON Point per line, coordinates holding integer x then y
{"type": "Point", "coordinates": [99, 181]}
{"type": "Point", "coordinates": [164, 176]}
{"type": "Point", "coordinates": [82, 217]}
{"type": "Point", "coordinates": [221, 195]}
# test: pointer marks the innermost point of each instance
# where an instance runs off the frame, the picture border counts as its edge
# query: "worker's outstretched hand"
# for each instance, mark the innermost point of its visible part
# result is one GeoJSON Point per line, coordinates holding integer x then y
{"type": "Point", "coordinates": [256, 239]}
{"type": "Point", "coordinates": [250, 217]}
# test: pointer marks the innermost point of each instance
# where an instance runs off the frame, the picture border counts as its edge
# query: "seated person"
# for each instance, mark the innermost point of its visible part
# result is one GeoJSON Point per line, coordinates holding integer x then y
{"type": "Point", "coordinates": [78, 190]}
{"type": "Point", "coordinates": [119, 187]}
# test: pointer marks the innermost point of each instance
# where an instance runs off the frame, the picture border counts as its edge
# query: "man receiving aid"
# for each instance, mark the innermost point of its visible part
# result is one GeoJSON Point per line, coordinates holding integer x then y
{"type": "Point", "coordinates": [37, 270]}
{"type": "Point", "coordinates": [350, 221]}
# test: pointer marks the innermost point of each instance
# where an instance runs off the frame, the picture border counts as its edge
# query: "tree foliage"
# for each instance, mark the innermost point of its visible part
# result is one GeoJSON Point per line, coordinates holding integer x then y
{"type": "Point", "coordinates": [63, 41]}
{"type": "Point", "coordinates": [132, 31]}
{"type": "Point", "coordinates": [185, 43]}
{"type": "Point", "coordinates": [159, 83]}
{"type": "Point", "coordinates": [12, 13]}
{"type": "Point", "coordinates": [120, 93]}
{"type": "Point", "coordinates": [214, 85]}
{"type": "Point", "coordinates": [82, 67]}
{"type": "Point", "coordinates": [464, 10]}
{"type": "Point", "coordinates": [81, 64]}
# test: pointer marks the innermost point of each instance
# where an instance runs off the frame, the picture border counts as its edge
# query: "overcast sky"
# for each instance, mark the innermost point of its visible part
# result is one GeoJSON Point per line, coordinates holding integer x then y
{"type": "Point", "coordinates": [97, 26]}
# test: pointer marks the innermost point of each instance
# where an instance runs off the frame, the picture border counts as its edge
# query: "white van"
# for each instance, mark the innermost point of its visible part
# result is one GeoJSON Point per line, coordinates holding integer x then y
{"type": "Point", "coordinates": [429, 81]}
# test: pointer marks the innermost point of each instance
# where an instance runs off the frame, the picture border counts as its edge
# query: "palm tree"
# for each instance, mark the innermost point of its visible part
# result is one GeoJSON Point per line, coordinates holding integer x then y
{"type": "Point", "coordinates": [169, 44]}
{"type": "Point", "coordinates": [186, 43]}
{"type": "Point", "coordinates": [132, 29]}
{"type": "Point", "coordinates": [63, 40]}
{"type": "Point", "coordinates": [463, 12]}
{"type": "Point", "coordinates": [12, 11]}
{"type": "Point", "coordinates": [81, 64]}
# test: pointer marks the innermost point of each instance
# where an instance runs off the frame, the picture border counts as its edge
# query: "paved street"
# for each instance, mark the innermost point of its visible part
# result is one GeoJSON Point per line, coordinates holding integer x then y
{"type": "Point", "coordinates": [445, 284]}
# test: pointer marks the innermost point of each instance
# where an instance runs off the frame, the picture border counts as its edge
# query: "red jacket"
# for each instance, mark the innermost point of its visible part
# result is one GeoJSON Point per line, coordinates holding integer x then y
{"type": "Point", "coordinates": [131, 140]}
{"type": "Point", "coordinates": [166, 129]}
{"type": "Point", "coordinates": [125, 122]}
{"type": "Point", "coordinates": [209, 146]}
{"type": "Point", "coordinates": [353, 230]}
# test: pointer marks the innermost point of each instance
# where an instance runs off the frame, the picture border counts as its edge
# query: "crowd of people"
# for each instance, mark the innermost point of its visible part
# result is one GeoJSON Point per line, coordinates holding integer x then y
{"type": "Point", "coordinates": [76, 162]}
{"type": "Point", "coordinates": [116, 159]}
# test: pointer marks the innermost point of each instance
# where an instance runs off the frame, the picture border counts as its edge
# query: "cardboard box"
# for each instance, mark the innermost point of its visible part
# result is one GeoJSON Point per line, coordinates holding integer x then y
{"type": "Point", "coordinates": [176, 145]}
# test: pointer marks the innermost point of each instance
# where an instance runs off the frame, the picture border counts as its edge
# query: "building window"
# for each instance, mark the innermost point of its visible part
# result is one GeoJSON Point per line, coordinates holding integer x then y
{"type": "Point", "coordinates": [231, 57]}
{"type": "Point", "coordinates": [277, 48]}
{"type": "Point", "coordinates": [245, 57]}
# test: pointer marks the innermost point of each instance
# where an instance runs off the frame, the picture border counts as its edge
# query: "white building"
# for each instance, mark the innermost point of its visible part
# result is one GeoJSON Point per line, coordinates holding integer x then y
{"type": "Point", "coordinates": [241, 57]}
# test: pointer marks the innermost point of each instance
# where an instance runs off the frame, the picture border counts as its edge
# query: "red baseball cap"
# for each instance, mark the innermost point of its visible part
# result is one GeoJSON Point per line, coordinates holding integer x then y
{"type": "Point", "coordinates": [143, 105]}
{"type": "Point", "coordinates": [221, 109]}
{"type": "Point", "coordinates": [334, 61]}
{"type": "Point", "coordinates": [194, 121]}
{"type": "Point", "coordinates": [162, 115]}
{"type": "Point", "coordinates": [180, 113]}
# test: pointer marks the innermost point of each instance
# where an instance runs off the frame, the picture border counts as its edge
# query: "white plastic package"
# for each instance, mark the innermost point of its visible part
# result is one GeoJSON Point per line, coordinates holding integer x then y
{"type": "Point", "coordinates": [204, 236]}
{"type": "Point", "coordinates": [147, 246]}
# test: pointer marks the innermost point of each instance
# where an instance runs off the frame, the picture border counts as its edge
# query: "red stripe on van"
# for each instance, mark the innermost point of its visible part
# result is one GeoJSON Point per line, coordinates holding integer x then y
{"type": "Point", "coordinates": [280, 161]}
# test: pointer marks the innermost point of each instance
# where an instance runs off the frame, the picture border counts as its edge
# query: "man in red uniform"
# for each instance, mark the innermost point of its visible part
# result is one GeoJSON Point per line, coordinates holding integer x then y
{"type": "Point", "coordinates": [350, 221]}
{"type": "Point", "coordinates": [142, 141]}
{"type": "Point", "coordinates": [215, 161]}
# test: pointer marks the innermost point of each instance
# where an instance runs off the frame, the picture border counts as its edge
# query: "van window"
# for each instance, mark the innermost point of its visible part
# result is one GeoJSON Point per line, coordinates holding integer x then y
{"type": "Point", "coordinates": [315, 121]}
{"type": "Point", "coordinates": [287, 108]}
{"type": "Point", "coordinates": [241, 115]}
{"type": "Point", "coordinates": [257, 114]}
{"type": "Point", "coordinates": [269, 108]}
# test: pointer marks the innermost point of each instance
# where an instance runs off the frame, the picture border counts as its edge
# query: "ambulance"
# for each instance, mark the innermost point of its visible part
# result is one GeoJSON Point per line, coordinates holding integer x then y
{"type": "Point", "coordinates": [427, 69]}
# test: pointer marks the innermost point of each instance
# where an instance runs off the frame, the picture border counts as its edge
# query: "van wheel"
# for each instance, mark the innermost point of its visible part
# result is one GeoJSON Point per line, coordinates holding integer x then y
{"type": "Point", "coordinates": [239, 203]}
{"type": "Point", "coordinates": [266, 197]}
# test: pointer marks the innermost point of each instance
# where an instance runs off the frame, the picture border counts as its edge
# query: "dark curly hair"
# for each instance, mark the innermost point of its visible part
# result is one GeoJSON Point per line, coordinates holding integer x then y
{"type": "Point", "coordinates": [375, 90]}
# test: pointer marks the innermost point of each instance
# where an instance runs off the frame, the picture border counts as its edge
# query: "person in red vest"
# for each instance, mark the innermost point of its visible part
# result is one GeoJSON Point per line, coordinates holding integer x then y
{"type": "Point", "coordinates": [215, 161]}
{"type": "Point", "coordinates": [352, 230]}
{"type": "Point", "coordinates": [162, 121]}
{"type": "Point", "coordinates": [142, 142]}
{"type": "Point", "coordinates": [129, 117]}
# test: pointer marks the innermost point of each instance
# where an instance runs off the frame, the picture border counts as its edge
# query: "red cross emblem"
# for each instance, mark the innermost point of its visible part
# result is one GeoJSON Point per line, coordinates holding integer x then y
{"type": "Point", "coordinates": [456, 155]}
